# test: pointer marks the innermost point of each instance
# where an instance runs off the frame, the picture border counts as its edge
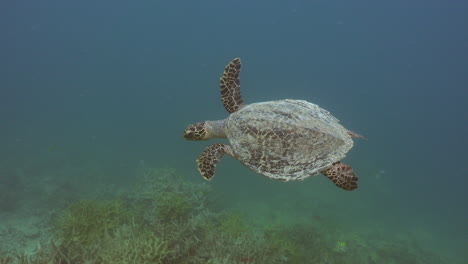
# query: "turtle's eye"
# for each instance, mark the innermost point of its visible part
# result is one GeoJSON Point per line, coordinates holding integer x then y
{"type": "Point", "coordinates": [195, 132]}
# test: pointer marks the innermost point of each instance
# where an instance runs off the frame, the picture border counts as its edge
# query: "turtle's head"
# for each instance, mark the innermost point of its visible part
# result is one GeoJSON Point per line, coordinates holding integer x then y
{"type": "Point", "coordinates": [205, 130]}
{"type": "Point", "coordinates": [197, 131]}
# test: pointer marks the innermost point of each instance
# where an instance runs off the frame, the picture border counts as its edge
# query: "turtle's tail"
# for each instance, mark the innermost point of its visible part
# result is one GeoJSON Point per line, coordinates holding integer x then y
{"type": "Point", "coordinates": [355, 135]}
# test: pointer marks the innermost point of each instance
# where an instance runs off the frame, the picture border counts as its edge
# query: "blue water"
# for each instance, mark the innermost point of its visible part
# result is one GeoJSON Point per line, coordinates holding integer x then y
{"type": "Point", "coordinates": [115, 83]}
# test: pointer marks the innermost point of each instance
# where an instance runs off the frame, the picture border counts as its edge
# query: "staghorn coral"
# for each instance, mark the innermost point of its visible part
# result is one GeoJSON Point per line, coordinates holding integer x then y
{"type": "Point", "coordinates": [250, 247]}
{"type": "Point", "coordinates": [6, 259]}
{"type": "Point", "coordinates": [159, 181]}
{"type": "Point", "coordinates": [88, 221]}
{"type": "Point", "coordinates": [42, 255]}
{"type": "Point", "coordinates": [132, 247]}
{"type": "Point", "coordinates": [278, 241]}
{"type": "Point", "coordinates": [233, 224]}
{"type": "Point", "coordinates": [173, 207]}
{"type": "Point", "coordinates": [164, 196]}
{"type": "Point", "coordinates": [170, 222]}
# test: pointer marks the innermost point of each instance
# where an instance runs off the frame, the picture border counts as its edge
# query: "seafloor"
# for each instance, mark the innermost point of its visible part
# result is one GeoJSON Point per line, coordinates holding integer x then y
{"type": "Point", "coordinates": [161, 216]}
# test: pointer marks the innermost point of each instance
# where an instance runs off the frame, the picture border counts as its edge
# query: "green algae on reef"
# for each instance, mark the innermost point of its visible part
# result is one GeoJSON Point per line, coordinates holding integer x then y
{"type": "Point", "coordinates": [165, 218]}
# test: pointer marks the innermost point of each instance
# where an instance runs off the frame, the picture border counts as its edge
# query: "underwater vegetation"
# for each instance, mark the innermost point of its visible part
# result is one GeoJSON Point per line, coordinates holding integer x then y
{"type": "Point", "coordinates": [165, 218]}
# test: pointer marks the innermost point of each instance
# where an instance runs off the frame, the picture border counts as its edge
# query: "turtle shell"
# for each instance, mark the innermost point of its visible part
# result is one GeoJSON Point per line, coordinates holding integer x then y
{"type": "Point", "coordinates": [287, 139]}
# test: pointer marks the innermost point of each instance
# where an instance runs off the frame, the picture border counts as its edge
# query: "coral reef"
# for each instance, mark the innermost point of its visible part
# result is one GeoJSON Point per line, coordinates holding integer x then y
{"type": "Point", "coordinates": [233, 224]}
{"type": "Point", "coordinates": [86, 222]}
{"type": "Point", "coordinates": [6, 259]}
{"type": "Point", "coordinates": [173, 207]}
{"type": "Point", "coordinates": [168, 219]}
{"type": "Point", "coordinates": [131, 246]}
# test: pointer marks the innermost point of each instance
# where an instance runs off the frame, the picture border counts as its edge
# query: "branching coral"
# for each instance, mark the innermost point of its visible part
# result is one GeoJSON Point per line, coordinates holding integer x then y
{"type": "Point", "coordinates": [167, 220]}
{"type": "Point", "coordinates": [132, 247]}
{"type": "Point", "coordinates": [7, 259]}
{"type": "Point", "coordinates": [173, 207]}
{"type": "Point", "coordinates": [87, 222]}
{"type": "Point", "coordinates": [233, 224]}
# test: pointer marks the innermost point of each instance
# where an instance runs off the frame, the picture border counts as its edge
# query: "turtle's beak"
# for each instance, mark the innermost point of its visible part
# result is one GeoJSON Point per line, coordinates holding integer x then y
{"type": "Point", "coordinates": [189, 135]}
{"type": "Point", "coordinates": [195, 132]}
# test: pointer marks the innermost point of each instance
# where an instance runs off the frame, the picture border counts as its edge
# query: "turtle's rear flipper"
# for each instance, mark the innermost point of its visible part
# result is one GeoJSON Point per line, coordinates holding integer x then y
{"type": "Point", "coordinates": [230, 86]}
{"type": "Point", "coordinates": [209, 158]}
{"type": "Point", "coordinates": [342, 175]}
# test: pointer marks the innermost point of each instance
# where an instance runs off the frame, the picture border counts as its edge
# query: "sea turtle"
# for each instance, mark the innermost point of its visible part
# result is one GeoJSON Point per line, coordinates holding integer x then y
{"type": "Point", "coordinates": [284, 140]}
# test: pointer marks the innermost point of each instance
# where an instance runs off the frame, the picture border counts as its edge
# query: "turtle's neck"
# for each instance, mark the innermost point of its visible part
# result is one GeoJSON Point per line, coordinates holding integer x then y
{"type": "Point", "coordinates": [215, 128]}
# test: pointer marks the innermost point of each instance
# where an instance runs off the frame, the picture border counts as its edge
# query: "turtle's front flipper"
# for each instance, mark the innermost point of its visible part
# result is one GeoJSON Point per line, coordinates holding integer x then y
{"type": "Point", "coordinates": [342, 175]}
{"type": "Point", "coordinates": [209, 158]}
{"type": "Point", "coordinates": [230, 86]}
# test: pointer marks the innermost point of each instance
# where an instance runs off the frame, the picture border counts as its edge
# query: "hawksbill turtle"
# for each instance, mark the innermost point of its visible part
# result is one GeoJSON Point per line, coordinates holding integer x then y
{"type": "Point", "coordinates": [284, 140]}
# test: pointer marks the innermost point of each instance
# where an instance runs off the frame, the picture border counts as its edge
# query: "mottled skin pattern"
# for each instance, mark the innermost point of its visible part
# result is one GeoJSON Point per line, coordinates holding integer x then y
{"type": "Point", "coordinates": [342, 175]}
{"type": "Point", "coordinates": [209, 158]}
{"type": "Point", "coordinates": [286, 140]}
{"type": "Point", "coordinates": [196, 131]}
{"type": "Point", "coordinates": [283, 140]}
{"type": "Point", "coordinates": [230, 86]}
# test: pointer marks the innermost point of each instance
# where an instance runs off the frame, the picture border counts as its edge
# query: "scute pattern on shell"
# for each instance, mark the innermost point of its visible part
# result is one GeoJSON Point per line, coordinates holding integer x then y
{"type": "Point", "coordinates": [287, 139]}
